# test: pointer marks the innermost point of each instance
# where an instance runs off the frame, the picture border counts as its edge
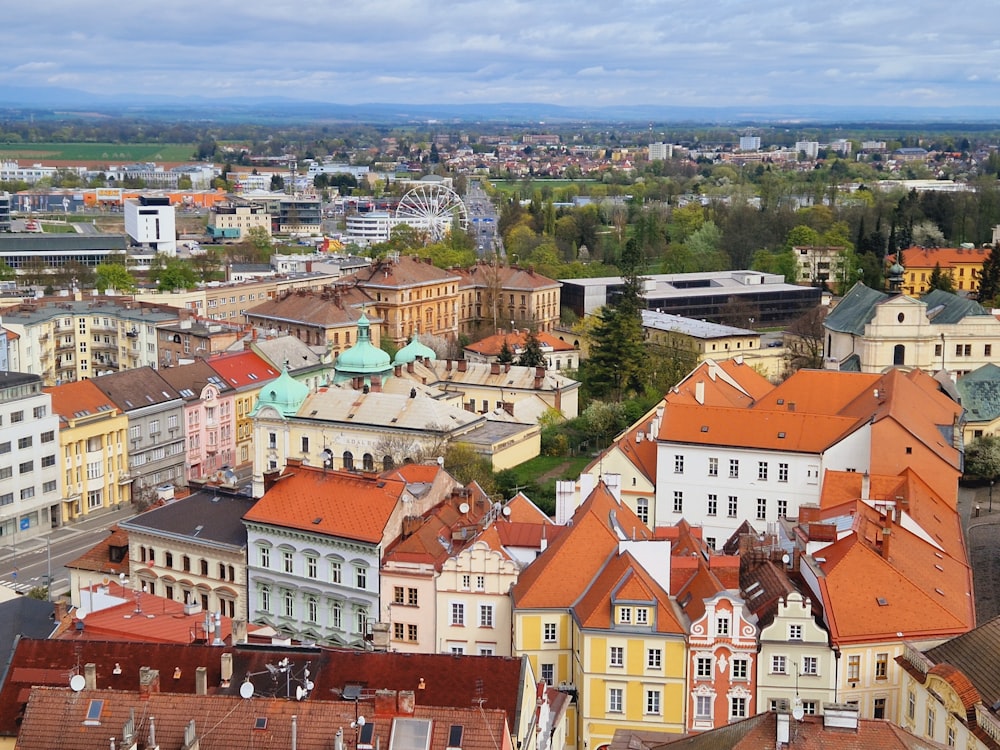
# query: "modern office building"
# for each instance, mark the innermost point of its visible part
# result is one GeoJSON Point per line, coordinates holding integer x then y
{"type": "Point", "coordinates": [149, 222]}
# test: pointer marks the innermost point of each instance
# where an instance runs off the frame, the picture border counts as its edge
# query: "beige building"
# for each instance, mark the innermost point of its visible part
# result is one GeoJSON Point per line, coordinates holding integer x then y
{"type": "Point", "coordinates": [496, 297]}
{"type": "Point", "coordinates": [234, 219]}
{"type": "Point", "coordinates": [820, 264]}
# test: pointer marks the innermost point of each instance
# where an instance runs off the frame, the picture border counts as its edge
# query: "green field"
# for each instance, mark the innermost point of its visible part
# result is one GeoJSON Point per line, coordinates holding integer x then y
{"type": "Point", "coordinates": [113, 153]}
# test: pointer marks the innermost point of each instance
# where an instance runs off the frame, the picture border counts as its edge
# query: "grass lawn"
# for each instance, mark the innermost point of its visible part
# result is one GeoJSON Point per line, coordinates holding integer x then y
{"type": "Point", "coordinates": [97, 153]}
{"type": "Point", "coordinates": [49, 228]}
{"type": "Point", "coordinates": [538, 477]}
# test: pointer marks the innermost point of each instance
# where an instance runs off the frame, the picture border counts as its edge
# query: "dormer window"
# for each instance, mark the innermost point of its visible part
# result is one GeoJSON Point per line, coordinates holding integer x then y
{"type": "Point", "coordinates": [625, 615]}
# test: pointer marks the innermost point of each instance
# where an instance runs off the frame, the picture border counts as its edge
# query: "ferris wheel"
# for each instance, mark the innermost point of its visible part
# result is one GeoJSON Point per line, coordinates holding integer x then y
{"type": "Point", "coordinates": [434, 208]}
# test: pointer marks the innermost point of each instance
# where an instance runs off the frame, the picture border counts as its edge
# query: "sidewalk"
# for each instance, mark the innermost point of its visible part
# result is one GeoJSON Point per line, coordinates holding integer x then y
{"type": "Point", "coordinates": [982, 542]}
{"type": "Point", "coordinates": [101, 521]}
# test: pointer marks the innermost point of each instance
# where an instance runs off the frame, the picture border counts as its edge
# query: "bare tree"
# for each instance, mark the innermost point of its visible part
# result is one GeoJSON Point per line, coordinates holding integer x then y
{"type": "Point", "coordinates": [804, 340]}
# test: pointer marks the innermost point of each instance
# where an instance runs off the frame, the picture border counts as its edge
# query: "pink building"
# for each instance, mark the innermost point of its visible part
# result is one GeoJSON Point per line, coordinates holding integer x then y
{"type": "Point", "coordinates": [209, 418]}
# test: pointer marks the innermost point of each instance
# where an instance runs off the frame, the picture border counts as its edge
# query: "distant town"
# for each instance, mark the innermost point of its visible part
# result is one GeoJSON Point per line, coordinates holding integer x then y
{"type": "Point", "coordinates": [529, 437]}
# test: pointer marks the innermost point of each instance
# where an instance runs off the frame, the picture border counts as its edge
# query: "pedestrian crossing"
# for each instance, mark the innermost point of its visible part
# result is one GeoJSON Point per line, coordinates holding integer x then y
{"type": "Point", "coordinates": [20, 588]}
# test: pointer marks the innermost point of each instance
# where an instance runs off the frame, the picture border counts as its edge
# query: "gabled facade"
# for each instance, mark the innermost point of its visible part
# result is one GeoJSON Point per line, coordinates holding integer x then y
{"type": "Point", "coordinates": [963, 264]}
{"type": "Point", "coordinates": [246, 373]}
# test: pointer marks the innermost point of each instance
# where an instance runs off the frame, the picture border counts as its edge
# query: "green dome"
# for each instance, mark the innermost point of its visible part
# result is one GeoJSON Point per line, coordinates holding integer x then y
{"type": "Point", "coordinates": [413, 351]}
{"type": "Point", "coordinates": [285, 394]}
{"type": "Point", "coordinates": [363, 358]}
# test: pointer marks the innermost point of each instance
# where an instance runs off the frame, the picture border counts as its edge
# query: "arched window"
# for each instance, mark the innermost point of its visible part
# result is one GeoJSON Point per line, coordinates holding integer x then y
{"type": "Point", "coordinates": [368, 461]}
{"type": "Point", "coordinates": [642, 509]}
{"type": "Point", "coordinates": [265, 598]}
{"type": "Point", "coordinates": [387, 463]}
{"type": "Point", "coordinates": [348, 460]}
{"type": "Point", "coordinates": [898, 354]}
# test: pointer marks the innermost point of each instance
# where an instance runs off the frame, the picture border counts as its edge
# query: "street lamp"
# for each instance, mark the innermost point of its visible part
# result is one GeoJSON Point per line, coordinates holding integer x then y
{"type": "Point", "coordinates": [991, 495]}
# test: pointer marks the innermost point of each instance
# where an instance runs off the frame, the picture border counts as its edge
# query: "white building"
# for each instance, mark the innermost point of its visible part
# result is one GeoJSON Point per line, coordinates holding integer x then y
{"type": "Point", "coordinates": [149, 221]}
{"type": "Point", "coordinates": [749, 143]}
{"type": "Point", "coordinates": [31, 489]}
{"type": "Point", "coordinates": [809, 148]}
{"type": "Point", "coordinates": [660, 151]}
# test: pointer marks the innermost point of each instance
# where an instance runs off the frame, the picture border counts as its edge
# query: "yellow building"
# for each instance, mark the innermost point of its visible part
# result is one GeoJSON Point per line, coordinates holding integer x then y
{"type": "Point", "coordinates": [248, 374]}
{"type": "Point", "coordinates": [493, 297]}
{"type": "Point", "coordinates": [411, 296]}
{"type": "Point", "coordinates": [962, 264]}
{"type": "Point", "coordinates": [594, 622]}
{"type": "Point", "coordinates": [93, 450]}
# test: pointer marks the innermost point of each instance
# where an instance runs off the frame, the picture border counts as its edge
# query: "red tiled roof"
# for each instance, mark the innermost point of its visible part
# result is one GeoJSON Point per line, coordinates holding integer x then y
{"type": "Point", "coordinates": [243, 369]}
{"type": "Point", "coordinates": [492, 345]}
{"type": "Point", "coordinates": [79, 398]}
{"type": "Point", "coordinates": [339, 503]}
{"type": "Point", "coordinates": [98, 557]}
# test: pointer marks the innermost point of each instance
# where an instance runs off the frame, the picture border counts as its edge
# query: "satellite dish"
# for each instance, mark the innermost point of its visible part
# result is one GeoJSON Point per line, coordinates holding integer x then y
{"type": "Point", "coordinates": [309, 684]}
{"type": "Point", "coordinates": [797, 711]}
{"type": "Point", "coordinates": [360, 722]}
{"type": "Point", "coordinates": [77, 683]}
{"type": "Point", "coordinates": [506, 511]}
{"type": "Point", "coordinates": [785, 558]}
{"type": "Point", "coordinates": [81, 613]}
{"type": "Point", "coordinates": [463, 508]}
{"type": "Point", "coordinates": [300, 692]}
{"type": "Point", "coordinates": [246, 690]}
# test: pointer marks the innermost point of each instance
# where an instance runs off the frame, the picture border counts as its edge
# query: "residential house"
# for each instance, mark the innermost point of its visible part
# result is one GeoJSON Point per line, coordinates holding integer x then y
{"type": "Point", "coordinates": [870, 331]}
{"type": "Point", "coordinates": [193, 338]}
{"type": "Point", "coordinates": [93, 450]}
{"type": "Point", "coordinates": [315, 541]}
{"type": "Point", "coordinates": [820, 264]}
{"type": "Point", "coordinates": [557, 353]}
{"type": "Point", "coordinates": [594, 617]}
{"type": "Point", "coordinates": [193, 550]}
{"type": "Point", "coordinates": [209, 418]}
{"type": "Point", "coordinates": [492, 297]}
{"type": "Point", "coordinates": [978, 392]}
{"type": "Point", "coordinates": [247, 374]}
{"type": "Point", "coordinates": [106, 560]}
{"type": "Point", "coordinates": [963, 265]}
{"type": "Point", "coordinates": [155, 432]}
{"type": "Point", "coordinates": [950, 693]}
{"type": "Point", "coordinates": [31, 492]}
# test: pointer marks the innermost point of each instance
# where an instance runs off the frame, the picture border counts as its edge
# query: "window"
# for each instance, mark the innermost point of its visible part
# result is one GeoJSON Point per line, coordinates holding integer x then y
{"type": "Point", "coordinates": [678, 464]}
{"type": "Point", "coordinates": [26, 468]}
{"type": "Point", "coordinates": [678, 501]}
{"type": "Point", "coordinates": [642, 509]}
{"type": "Point", "coordinates": [878, 712]}
{"type": "Point", "coordinates": [311, 565]}
{"type": "Point", "coordinates": [988, 350]}
{"type": "Point", "coordinates": [16, 416]}
{"type": "Point", "coordinates": [713, 505]}
{"type": "Point", "coordinates": [204, 568]}
{"type": "Point", "coordinates": [5, 447]}
{"type": "Point", "coordinates": [38, 412]}
{"type": "Point", "coordinates": [265, 599]}
{"type": "Point", "coordinates": [652, 701]}
{"type": "Point", "coordinates": [782, 472]}
{"type": "Point", "coordinates": [782, 509]}
{"type": "Point", "coordinates": [795, 632]}
{"type": "Point", "coordinates": [49, 486]}
{"type": "Point", "coordinates": [486, 615]}
{"type": "Point", "coordinates": [853, 668]}
{"type": "Point", "coordinates": [337, 615]}
{"type": "Point", "coordinates": [615, 700]}
{"type": "Point", "coordinates": [548, 673]}
{"type": "Point", "coordinates": [48, 437]}
{"type": "Point", "coordinates": [741, 669]}
{"type": "Point", "coordinates": [617, 657]}
{"type": "Point", "coordinates": [810, 665]}
{"type": "Point", "coordinates": [703, 706]}
{"type": "Point", "coordinates": [411, 632]}
{"type": "Point", "coordinates": [335, 571]}
{"type": "Point", "coordinates": [287, 563]}
{"type": "Point", "coordinates": [734, 468]}
{"type": "Point", "coordinates": [733, 506]}
{"type": "Point", "coordinates": [881, 666]}
{"type": "Point", "coordinates": [265, 557]}
{"type": "Point", "coordinates": [641, 616]}
{"type": "Point", "coordinates": [360, 576]}
{"type": "Point", "coordinates": [930, 721]}
{"type": "Point", "coordinates": [305, 444]}
{"type": "Point", "coordinates": [186, 563]}
{"type": "Point", "coordinates": [654, 658]}
{"type": "Point", "coordinates": [911, 705]}
{"type": "Point", "coordinates": [411, 597]}
{"type": "Point", "coordinates": [398, 630]}
{"type": "Point", "coordinates": [722, 625]}
{"type": "Point", "coordinates": [737, 708]}
{"type": "Point", "coordinates": [397, 595]}
{"type": "Point", "coordinates": [777, 665]}
{"type": "Point", "coordinates": [549, 632]}
{"type": "Point", "coordinates": [703, 667]}
{"type": "Point", "coordinates": [24, 442]}
{"type": "Point", "coordinates": [713, 467]}
{"type": "Point", "coordinates": [29, 492]}
{"type": "Point", "coordinates": [810, 708]}
{"type": "Point", "coordinates": [761, 508]}
{"type": "Point", "coordinates": [466, 582]}
{"type": "Point", "coordinates": [361, 621]}
{"type": "Point", "coordinates": [480, 583]}
{"type": "Point", "coordinates": [48, 460]}
{"type": "Point", "coordinates": [457, 613]}
{"type": "Point", "coordinates": [312, 609]}
{"type": "Point", "coordinates": [625, 615]}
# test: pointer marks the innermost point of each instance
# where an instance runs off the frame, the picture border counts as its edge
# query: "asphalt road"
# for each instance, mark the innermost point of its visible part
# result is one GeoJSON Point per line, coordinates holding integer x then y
{"type": "Point", "coordinates": [26, 564]}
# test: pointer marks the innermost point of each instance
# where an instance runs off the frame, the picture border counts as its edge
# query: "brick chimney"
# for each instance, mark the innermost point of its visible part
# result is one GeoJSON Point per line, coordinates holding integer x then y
{"type": "Point", "coordinates": [201, 681]}
{"type": "Point", "coordinates": [385, 702]}
{"type": "Point", "coordinates": [409, 367]}
{"type": "Point", "coordinates": [90, 675]}
{"type": "Point", "coordinates": [494, 368]}
{"type": "Point", "coordinates": [808, 512]}
{"type": "Point", "coordinates": [447, 365]}
{"type": "Point", "coordinates": [463, 365]}
{"type": "Point", "coordinates": [60, 610]}
{"type": "Point", "coordinates": [886, 535]}
{"type": "Point", "coordinates": [227, 665]}
{"type": "Point", "coordinates": [407, 699]}
{"type": "Point", "coordinates": [398, 371]}
{"type": "Point", "coordinates": [149, 682]}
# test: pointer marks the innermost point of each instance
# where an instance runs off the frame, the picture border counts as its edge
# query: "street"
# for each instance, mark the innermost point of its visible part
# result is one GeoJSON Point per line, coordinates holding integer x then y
{"type": "Point", "coordinates": [25, 565]}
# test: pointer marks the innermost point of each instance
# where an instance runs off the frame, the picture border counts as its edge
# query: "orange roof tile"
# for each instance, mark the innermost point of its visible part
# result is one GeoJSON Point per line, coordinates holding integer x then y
{"type": "Point", "coordinates": [243, 369]}
{"type": "Point", "coordinates": [492, 345]}
{"type": "Point", "coordinates": [338, 503]}
{"type": "Point", "coordinates": [523, 510]}
{"type": "Point", "coordinates": [80, 398]}
{"type": "Point", "coordinates": [726, 383]}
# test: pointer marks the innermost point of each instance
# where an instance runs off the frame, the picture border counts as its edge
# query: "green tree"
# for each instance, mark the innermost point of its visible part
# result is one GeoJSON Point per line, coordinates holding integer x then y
{"type": "Point", "coordinates": [940, 280]}
{"type": "Point", "coordinates": [262, 243]}
{"type": "Point", "coordinates": [802, 236]}
{"type": "Point", "coordinates": [175, 273]}
{"type": "Point", "coordinates": [982, 457]}
{"type": "Point", "coordinates": [114, 276]}
{"type": "Point", "coordinates": [505, 356]}
{"type": "Point", "coordinates": [532, 355]}
{"type": "Point", "coordinates": [463, 462]}
{"type": "Point", "coordinates": [989, 278]}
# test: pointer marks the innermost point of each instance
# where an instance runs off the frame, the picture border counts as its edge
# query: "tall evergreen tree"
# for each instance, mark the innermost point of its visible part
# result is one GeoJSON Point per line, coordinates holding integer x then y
{"type": "Point", "coordinates": [989, 278]}
{"type": "Point", "coordinates": [532, 355]}
{"type": "Point", "coordinates": [505, 356]}
{"type": "Point", "coordinates": [940, 280]}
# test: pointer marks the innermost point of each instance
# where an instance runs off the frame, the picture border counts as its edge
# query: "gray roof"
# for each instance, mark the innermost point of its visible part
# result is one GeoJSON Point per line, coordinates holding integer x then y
{"type": "Point", "coordinates": [26, 617]}
{"type": "Point", "coordinates": [701, 329]}
{"type": "Point", "coordinates": [979, 392]}
{"type": "Point", "coordinates": [205, 517]}
{"type": "Point", "coordinates": [387, 411]}
{"type": "Point", "coordinates": [34, 311]}
{"type": "Point", "coordinates": [977, 655]}
{"type": "Point", "coordinates": [136, 389]}
{"type": "Point", "coordinates": [854, 310]}
{"type": "Point", "coordinates": [492, 432]}
{"type": "Point", "coordinates": [190, 379]}
{"type": "Point", "coordinates": [945, 307]}
{"type": "Point", "coordinates": [287, 348]}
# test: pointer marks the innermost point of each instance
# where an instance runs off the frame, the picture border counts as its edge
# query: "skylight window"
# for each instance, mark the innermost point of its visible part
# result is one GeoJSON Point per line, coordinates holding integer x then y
{"type": "Point", "coordinates": [260, 722]}
{"type": "Point", "coordinates": [455, 737]}
{"type": "Point", "coordinates": [410, 734]}
{"type": "Point", "coordinates": [94, 713]}
{"type": "Point", "coordinates": [882, 602]}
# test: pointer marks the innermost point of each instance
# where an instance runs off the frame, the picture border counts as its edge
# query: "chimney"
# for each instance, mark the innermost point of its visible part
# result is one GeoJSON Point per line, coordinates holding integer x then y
{"type": "Point", "coordinates": [385, 702]}
{"type": "Point", "coordinates": [90, 675]}
{"type": "Point", "coordinates": [539, 372]}
{"type": "Point", "coordinates": [398, 370]}
{"type": "Point", "coordinates": [699, 391]}
{"type": "Point", "coordinates": [149, 682]}
{"type": "Point", "coordinates": [886, 534]}
{"type": "Point", "coordinates": [447, 365]}
{"type": "Point", "coordinates": [463, 365]}
{"type": "Point", "coordinates": [239, 634]}
{"type": "Point", "coordinates": [409, 367]}
{"type": "Point", "coordinates": [376, 386]}
{"type": "Point", "coordinates": [537, 384]}
{"type": "Point", "coordinates": [494, 368]}
{"type": "Point", "coordinates": [866, 485]}
{"type": "Point", "coordinates": [506, 366]}
{"type": "Point", "coordinates": [808, 513]}
{"type": "Point", "coordinates": [508, 406]}
{"type": "Point", "coordinates": [227, 668]}
{"type": "Point", "coordinates": [407, 699]}
{"type": "Point", "coordinates": [840, 716]}
{"type": "Point", "coordinates": [60, 610]}
{"type": "Point", "coordinates": [201, 681]}
{"type": "Point", "coordinates": [782, 728]}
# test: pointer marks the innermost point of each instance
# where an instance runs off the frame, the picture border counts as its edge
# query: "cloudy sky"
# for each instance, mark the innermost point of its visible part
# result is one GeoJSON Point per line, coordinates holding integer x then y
{"type": "Point", "coordinates": [570, 52]}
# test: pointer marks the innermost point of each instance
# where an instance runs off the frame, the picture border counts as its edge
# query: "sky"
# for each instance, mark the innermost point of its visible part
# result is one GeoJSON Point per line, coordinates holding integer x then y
{"type": "Point", "coordinates": [893, 53]}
